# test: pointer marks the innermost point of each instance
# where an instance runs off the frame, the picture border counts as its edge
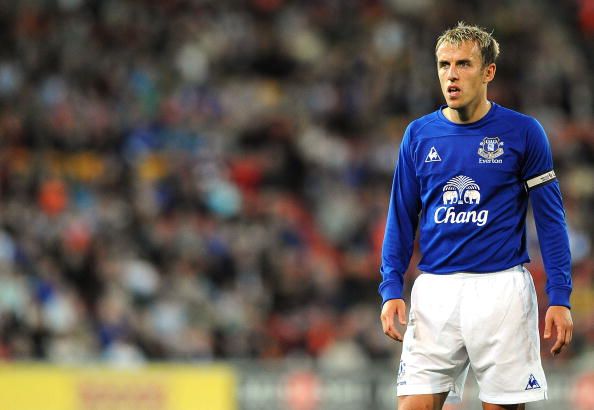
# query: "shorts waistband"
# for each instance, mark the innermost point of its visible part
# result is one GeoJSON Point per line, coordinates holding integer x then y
{"type": "Point", "coordinates": [517, 268]}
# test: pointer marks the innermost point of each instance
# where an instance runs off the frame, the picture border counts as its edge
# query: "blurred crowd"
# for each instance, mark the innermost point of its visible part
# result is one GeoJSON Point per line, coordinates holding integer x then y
{"type": "Point", "coordinates": [199, 180]}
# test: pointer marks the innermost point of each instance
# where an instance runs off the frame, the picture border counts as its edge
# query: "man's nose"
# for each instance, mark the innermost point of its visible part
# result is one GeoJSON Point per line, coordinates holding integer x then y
{"type": "Point", "coordinates": [452, 73]}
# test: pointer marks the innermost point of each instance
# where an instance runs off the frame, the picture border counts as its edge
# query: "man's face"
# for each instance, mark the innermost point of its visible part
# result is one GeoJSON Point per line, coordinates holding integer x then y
{"type": "Point", "coordinates": [461, 74]}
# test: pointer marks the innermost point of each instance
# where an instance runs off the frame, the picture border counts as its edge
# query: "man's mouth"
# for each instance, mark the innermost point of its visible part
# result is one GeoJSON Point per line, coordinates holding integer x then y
{"type": "Point", "coordinates": [453, 91]}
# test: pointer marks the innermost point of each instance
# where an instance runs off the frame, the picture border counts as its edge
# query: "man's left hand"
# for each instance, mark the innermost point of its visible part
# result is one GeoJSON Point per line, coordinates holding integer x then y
{"type": "Point", "coordinates": [560, 318]}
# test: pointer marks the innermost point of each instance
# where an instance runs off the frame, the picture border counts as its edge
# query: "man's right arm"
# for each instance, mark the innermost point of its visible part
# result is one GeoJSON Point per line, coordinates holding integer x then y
{"type": "Point", "coordinates": [402, 220]}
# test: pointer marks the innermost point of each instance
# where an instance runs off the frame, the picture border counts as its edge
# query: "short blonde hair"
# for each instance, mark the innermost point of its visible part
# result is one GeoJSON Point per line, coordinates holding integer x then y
{"type": "Point", "coordinates": [465, 32]}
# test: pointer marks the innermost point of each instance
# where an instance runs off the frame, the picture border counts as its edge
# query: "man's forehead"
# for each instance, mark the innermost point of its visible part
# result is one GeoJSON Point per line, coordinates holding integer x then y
{"type": "Point", "coordinates": [466, 49]}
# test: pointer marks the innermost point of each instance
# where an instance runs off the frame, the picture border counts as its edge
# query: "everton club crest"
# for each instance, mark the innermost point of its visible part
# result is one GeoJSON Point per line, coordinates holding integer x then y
{"type": "Point", "coordinates": [491, 148]}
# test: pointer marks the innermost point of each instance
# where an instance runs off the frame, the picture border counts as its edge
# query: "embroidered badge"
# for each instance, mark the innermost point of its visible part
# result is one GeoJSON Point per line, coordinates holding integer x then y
{"type": "Point", "coordinates": [490, 149]}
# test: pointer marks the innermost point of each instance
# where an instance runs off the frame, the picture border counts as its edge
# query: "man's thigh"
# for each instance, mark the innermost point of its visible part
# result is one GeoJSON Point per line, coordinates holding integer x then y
{"type": "Point", "coordinates": [422, 401]}
{"type": "Point", "coordinates": [501, 337]}
{"type": "Point", "coordinates": [434, 359]}
{"type": "Point", "coordinates": [490, 406]}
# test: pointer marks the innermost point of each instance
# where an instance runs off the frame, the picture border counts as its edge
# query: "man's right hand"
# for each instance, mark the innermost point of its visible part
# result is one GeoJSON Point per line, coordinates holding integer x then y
{"type": "Point", "coordinates": [391, 309]}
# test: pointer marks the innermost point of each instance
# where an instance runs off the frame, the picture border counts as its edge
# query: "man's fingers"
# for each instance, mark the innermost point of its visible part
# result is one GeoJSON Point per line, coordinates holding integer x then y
{"type": "Point", "coordinates": [556, 349]}
{"type": "Point", "coordinates": [548, 326]}
{"type": "Point", "coordinates": [391, 309]}
{"type": "Point", "coordinates": [390, 330]}
{"type": "Point", "coordinates": [383, 319]}
{"type": "Point", "coordinates": [563, 340]}
{"type": "Point", "coordinates": [385, 324]}
{"type": "Point", "coordinates": [558, 317]}
{"type": "Point", "coordinates": [402, 317]}
{"type": "Point", "coordinates": [558, 346]}
{"type": "Point", "coordinates": [567, 337]}
{"type": "Point", "coordinates": [394, 334]}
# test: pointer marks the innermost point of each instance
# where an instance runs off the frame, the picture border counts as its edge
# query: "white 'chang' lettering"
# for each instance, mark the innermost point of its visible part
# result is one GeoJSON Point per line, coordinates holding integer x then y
{"type": "Point", "coordinates": [445, 214]}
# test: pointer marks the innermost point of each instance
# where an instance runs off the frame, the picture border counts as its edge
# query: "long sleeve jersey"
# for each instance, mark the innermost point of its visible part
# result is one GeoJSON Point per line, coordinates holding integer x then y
{"type": "Point", "coordinates": [467, 186]}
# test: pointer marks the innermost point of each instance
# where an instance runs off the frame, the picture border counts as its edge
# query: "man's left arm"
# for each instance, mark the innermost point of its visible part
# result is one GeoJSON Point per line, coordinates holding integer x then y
{"type": "Point", "coordinates": [549, 216]}
{"type": "Point", "coordinates": [554, 246]}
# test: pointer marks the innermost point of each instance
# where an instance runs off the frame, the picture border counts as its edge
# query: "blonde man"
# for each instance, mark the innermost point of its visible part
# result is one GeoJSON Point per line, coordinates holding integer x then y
{"type": "Point", "coordinates": [464, 175]}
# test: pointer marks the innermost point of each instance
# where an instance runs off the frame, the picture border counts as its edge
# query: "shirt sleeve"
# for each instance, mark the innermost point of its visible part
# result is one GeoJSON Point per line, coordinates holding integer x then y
{"type": "Point", "coordinates": [549, 216]}
{"type": "Point", "coordinates": [401, 225]}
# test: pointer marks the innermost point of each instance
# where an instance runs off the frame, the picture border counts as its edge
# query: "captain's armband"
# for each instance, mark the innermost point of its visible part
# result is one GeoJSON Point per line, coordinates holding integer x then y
{"type": "Point", "coordinates": [539, 180]}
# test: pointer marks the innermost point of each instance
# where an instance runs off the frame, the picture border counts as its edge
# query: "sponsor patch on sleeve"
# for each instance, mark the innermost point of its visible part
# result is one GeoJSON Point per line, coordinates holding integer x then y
{"type": "Point", "coordinates": [540, 180]}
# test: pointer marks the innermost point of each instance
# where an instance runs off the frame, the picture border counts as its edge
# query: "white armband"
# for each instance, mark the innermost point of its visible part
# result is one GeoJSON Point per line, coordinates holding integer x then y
{"type": "Point", "coordinates": [539, 180]}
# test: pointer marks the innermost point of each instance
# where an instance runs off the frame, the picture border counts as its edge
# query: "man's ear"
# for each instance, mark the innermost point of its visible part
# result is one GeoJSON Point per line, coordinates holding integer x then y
{"type": "Point", "coordinates": [490, 73]}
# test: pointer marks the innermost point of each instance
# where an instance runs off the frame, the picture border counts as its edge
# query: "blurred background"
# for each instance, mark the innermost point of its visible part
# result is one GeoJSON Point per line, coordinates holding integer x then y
{"type": "Point", "coordinates": [206, 182]}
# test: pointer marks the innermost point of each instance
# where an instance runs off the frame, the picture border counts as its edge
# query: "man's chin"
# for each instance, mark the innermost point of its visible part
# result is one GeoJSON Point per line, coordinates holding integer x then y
{"type": "Point", "coordinates": [454, 104]}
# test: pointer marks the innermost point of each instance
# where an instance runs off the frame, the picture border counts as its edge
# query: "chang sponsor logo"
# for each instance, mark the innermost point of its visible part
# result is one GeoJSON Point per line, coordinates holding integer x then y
{"type": "Point", "coordinates": [444, 215]}
{"type": "Point", "coordinates": [460, 190]}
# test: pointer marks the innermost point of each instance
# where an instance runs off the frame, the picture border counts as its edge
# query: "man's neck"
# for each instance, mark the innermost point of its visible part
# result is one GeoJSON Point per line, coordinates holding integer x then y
{"type": "Point", "coordinates": [468, 115]}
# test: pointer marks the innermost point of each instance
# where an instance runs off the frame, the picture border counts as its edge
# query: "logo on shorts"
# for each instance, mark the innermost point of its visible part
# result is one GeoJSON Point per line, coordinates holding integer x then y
{"type": "Point", "coordinates": [401, 372]}
{"type": "Point", "coordinates": [532, 383]}
{"type": "Point", "coordinates": [460, 190]}
{"type": "Point", "coordinates": [491, 148]}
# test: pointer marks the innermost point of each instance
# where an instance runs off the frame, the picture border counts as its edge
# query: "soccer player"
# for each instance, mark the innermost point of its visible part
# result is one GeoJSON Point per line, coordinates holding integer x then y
{"type": "Point", "coordinates": [464, 174]}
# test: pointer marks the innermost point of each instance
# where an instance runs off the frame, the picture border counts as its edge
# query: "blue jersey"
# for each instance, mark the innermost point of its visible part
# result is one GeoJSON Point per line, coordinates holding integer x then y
{"type": "Point", "coordinates": [467, 187]}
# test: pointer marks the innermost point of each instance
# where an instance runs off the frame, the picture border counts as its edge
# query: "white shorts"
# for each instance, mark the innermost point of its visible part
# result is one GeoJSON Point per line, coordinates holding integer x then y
{"type": "Point", "coordinates": [485, 320]}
